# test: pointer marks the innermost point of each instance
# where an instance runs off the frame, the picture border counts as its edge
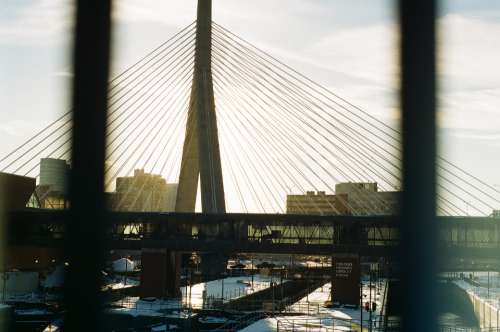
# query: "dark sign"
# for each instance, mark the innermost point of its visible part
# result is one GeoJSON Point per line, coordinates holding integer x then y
{"type": "Point", "coordinates": [345, 281]}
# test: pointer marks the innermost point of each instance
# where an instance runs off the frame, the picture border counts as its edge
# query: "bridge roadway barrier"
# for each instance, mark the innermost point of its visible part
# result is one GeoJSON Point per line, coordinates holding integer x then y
{"type": "Point", "coordinates": [487, 314]}
{"type": "Point", "coordinates": [483, 297]}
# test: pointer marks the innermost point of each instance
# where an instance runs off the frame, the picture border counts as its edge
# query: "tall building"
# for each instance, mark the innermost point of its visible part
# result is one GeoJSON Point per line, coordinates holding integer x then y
{"type": "Point", "coordinates": [317, 203]}
{"type": "Point", "coordinates": [363, 198]}
{"type": "Point", "coordinates": [350, 198]}
{"type": "Point", "coordinates": [144, 192]}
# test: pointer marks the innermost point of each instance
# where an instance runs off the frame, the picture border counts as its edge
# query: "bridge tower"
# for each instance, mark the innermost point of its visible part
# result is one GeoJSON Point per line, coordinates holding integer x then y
{"type": "Point", "coordinates": [200, 160]}
{"type": "Point", "coordinates": [201, 154]}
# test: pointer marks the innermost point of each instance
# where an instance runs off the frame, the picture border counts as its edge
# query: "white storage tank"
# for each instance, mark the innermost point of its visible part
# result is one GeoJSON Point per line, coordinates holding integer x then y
{"type": "Point", "coordinates": [54, 173]}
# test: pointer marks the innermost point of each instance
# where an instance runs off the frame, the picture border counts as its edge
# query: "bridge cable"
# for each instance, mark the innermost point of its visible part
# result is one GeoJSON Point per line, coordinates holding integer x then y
{"type": "Point", "coordinates": [476, 197]}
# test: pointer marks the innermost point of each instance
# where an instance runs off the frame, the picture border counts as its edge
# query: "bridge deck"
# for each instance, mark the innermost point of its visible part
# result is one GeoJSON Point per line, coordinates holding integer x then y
{"type": "Point", "coordinates": [275, 233]}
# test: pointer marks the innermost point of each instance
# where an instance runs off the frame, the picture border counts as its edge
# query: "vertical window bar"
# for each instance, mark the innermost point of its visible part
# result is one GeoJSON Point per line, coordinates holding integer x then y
{"type": "Point", "coordinates": [418, 214]}
{"type": "Point", "coordinates": [84, 247]}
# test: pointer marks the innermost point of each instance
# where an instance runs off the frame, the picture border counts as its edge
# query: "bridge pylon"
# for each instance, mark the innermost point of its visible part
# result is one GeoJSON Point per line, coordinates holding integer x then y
{"type": "Point", "coordinates": [200, 160]}
{"type": "Point", "coordinates": [201, 153]}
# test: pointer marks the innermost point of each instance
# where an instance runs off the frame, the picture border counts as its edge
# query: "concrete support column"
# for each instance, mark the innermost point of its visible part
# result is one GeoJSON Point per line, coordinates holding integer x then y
{"type": "Point", "coordinates": [160, 275]}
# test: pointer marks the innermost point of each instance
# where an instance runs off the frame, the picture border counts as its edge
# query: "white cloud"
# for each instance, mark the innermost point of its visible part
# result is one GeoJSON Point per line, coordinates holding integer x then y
{"type": "Point", "coordinates": [367, 52]}
{"type": "Point", "coordinates": [171, 13]}
{"type": "Point", "coordinates": [469, 51]}
{"type": "Point", "coordinates": [18, 128]}
{"type": "Point", "coordinates": [41, 22]}
{"type": "Point", "coordinates": [470, 72]}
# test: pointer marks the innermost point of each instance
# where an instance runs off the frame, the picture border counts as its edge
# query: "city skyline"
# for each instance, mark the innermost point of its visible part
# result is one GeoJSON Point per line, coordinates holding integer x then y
{"type": "Point", "coordinates": [329, 42]}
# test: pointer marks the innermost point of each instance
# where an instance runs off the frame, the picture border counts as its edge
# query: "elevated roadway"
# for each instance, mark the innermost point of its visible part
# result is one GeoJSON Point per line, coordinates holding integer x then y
{"type": "Point", "coordinates": [461, 237]}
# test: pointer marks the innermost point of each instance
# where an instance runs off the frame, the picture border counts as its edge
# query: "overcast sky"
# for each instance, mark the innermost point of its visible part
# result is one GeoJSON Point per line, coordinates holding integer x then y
{"type": "Point", "coordinates": [348, 46]}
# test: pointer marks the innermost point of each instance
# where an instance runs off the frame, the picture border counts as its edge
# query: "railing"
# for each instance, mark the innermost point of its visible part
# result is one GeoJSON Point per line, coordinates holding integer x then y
{"type": "Point", "coordinates": [307, 308]}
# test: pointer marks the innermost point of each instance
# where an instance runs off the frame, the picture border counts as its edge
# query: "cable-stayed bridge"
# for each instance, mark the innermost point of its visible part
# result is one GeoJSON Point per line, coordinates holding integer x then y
{"type": "Point", "coordinates": [278, 131]}
{"type": "Point", "coordinates": [222, 118]}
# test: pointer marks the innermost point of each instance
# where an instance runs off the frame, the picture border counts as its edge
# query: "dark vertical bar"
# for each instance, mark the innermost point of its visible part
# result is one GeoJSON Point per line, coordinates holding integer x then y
{"type": "Point", "coordinates": [418, 222]}
{"type": "Point", "coordinates": [84, 247]}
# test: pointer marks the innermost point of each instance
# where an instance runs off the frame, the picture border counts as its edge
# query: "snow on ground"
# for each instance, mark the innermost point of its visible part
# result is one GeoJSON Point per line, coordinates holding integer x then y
{"type": "Point", "coordinates": [56, 278]}
{"type": "Point", "coordinates": [313, 303]}
{"type": "Point", "coordinates": [123, 265]}
{"type": "Point", "coordinates": [120, 282]}
{"type": "Point", "coordinates": [252, 264]}
{"type": "Point", "coordinates": [318, 318]}
{"type": "Point", "coordinates": [234, 287]}
{"type": "Point", "coordinates": [150, 307]}
{"type": "Point", "coordinates": [263, 325]}
{"type": "Point", "coordinates": [491, 296]}
{"type": "Point", "coordinates": [296, 323]}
